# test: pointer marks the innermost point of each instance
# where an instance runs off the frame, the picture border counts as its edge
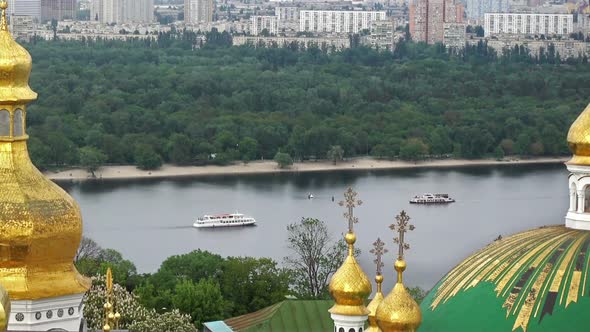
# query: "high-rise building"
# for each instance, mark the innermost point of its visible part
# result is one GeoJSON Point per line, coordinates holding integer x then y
{"type": "Point", "coordinates": [428, 17]}
{"type": "Point", "coordinates": [24, 8]}
{"type": "Point", "coordinates": [528, 24]}
{"type": "Point", "coordinates": [476, 9]}
{"type": "Point", "coordinates": [418, 20]}
{"type": "Point", "coordinates": [435, 20]}
{"type": "Point", "coordinates": [58, 9]}
{"type": "Point", "coordinates": [198, 11]}
{"type": "Point", "coordinates": [338, 21]}
{"type": "Point", "coordinates": [288, 18]}
{"type": "Point", "coordinates": [259, 23]}
{"type": "Point", "coordinates": [122, 11]}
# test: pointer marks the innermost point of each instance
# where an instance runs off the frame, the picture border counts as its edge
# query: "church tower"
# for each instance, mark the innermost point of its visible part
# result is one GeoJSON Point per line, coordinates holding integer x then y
{"type": "Point", "coordinates": [578, 139]}
{"type": "Point", "coordinates": [350, 286]}
{"type": "Point", "coordinates": [40, 224]}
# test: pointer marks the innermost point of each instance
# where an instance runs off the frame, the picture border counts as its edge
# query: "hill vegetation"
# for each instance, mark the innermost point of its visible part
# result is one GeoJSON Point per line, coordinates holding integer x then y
{"type": "Point", "coordinates": [146, 103]}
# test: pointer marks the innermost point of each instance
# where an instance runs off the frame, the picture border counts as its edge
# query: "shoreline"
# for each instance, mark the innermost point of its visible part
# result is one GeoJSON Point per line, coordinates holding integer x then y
{"type": "Point", "coordinates": [270, 167]}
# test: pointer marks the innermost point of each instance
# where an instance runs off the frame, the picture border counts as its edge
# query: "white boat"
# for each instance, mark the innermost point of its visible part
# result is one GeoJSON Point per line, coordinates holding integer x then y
{"type": "Point", "coordinates": [224, 220]}
{"type": "Point", "coordinates": [432, 199]}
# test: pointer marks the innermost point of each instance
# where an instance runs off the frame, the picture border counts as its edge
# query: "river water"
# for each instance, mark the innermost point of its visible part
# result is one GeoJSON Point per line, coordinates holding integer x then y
{"type": "Point", "coordinates": [150, 220]}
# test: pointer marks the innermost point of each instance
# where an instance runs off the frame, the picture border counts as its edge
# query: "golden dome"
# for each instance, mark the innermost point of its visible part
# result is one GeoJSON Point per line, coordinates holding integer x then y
{"type": "Point", "coordinates": [372, 307]}
{"type": "Point", "coordinates": [40, 224]}
{"type": "Point", "coordinates": [4, 309]}
{"type": "Point", "coordinates": [15, 66]}
{"type": "Point", "coordinates": [578, 139]}
{"type": "Point", "coordinates": [350, 286]}
{"type": "Point", "coordinates": [399, 312]}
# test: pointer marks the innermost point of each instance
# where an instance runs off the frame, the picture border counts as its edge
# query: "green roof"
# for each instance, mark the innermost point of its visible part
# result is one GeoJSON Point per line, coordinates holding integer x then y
{"type": "Point", "coordinates": [286, 316]}
{"type": "Point", "coordinates": [532, 281]}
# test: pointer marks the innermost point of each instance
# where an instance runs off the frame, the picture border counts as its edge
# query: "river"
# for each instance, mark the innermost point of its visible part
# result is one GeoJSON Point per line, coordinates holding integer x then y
{"type": "Point", "coordinates": [150, 220]}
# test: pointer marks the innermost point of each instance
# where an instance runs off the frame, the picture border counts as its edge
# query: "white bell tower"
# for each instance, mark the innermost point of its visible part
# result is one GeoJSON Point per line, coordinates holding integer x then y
{"type": "Point", "coordinates": [578, 213]}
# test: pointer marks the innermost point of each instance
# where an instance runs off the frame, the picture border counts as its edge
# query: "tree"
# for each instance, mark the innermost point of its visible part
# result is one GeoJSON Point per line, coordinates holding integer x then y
{"type": "Point", "coordinates": [499, 153]}
{"type": "Point", "coordinates": [413, 149]}
{"type": "Point", "coordinates": [134, 316]}
{"type": "Point", "coordinates": [248, 147]}
{"type": "Point", "coordinates": [146, 158]}
{"type": "Point", "coordinates": [180, 149]}
{"type": "Point", "coordinates": [194, 266]}
{"type": "Point", "coordinates": [336, 153]}
{"type": "Point", "coordinates": [251, 284]}
{"type": "Point", "coordinates": [203, 300]}
{"type": "Point", "coordinates": [314, 257]}
{"type": "Point", "coordinates": [91, 158]}
{"type": "Point", "coordinates": [283, 160]}
{"type": "Point", "coordinates": [417, 293]}
{"type": "Point", "coordinates": [88, 249]}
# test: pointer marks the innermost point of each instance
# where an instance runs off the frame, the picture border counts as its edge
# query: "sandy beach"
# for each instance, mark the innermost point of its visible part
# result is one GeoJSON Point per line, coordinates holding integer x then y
{"type": "Point", "coordinates": [262, 167]}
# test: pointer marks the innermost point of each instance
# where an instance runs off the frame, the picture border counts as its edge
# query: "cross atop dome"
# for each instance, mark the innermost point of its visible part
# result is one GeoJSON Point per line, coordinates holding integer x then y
{"type": "Point", "coordinates": [350, 202]}
{"type": "Point", "coordinates": [402, 227]}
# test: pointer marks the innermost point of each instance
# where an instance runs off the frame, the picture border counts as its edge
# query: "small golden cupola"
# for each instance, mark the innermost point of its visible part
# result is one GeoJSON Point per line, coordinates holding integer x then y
{"type": "Point", "coordinates": [578, 139]}
{"type": "Point", "coordinates": [378, 250]}
{"type": "Point", "coordinates": [399, 312]}
{"type": "Point", "coordinates": [40, 224]}
{"type": "Point", "coordinates": [350, 287]}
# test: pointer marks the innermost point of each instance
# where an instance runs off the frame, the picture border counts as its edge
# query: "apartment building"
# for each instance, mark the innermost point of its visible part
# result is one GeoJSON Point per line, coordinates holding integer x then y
{"type": "Point", "coordinates": [259, 23]}
{"type": "Point", "coordinates": [528, 24]}
{"type": "Point", "coordinates": [336, 21]}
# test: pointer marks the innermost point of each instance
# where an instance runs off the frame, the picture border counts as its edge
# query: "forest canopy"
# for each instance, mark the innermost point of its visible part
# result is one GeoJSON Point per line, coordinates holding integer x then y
{"type": "Point", "coordinates": [147, 103]}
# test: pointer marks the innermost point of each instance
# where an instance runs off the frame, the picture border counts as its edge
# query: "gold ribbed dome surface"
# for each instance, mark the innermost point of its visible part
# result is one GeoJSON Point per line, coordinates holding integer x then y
{"type": "Point", "coordinates": [40, 224]}
{"type": "Point", "coordinates": [15, 67]}
{"type": "Point", "coordinates": [399, 312]}
{"type": "Point", "coordinates": [350, 286]}
{"type": "Point", "coordinates": [578, 139]}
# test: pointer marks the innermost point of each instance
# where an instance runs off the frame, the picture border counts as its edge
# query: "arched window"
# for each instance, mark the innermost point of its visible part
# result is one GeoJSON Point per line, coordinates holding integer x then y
{"type": "Point", "coordinates": [18, 124]}
{"type": "Point", "coordinates": [351, 330]}
{"type": "Point", "coordinates": [573, 197]}
{"type": "Point", "coordinates": [4, 123]}
{"type": "Point", "coordinates": [341, 329]}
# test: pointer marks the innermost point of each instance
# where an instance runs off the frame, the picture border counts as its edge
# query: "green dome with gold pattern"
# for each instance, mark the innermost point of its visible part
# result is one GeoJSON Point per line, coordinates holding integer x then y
{"type": "Point", "coordinates": [531, 281]}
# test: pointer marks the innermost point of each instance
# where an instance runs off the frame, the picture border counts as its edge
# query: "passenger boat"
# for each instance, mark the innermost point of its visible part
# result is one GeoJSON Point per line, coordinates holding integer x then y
{"type": "Point", "coordinates": [224, 220]}
{"type": "Point", "coordinates": [432, 199]}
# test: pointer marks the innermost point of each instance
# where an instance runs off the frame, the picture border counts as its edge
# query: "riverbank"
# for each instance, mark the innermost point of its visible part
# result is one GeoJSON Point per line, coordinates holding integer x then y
{"type": "Point", "coordinates": [262, 167]}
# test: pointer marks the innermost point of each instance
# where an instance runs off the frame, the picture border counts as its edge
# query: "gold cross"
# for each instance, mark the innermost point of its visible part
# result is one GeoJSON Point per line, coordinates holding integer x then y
{"type": "Point", "coordinates": [379, 250]}
{"type": "Point", "coordinates": [401, 227]}
{"type": "Point", "coordinates": [350, 202]}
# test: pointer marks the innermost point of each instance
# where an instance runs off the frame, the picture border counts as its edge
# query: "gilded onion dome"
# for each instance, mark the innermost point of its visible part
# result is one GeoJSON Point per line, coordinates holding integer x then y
{"type": "Point", "coordinates": [40, 224]}
{"type": "Point", "coordinates": [378, 250]}
{"type": "Point", "coordinates": [399, 312]}
{"type": "Point", "coordinates": [578, 139]}
{"type": "Point", "coordinates": [15, 66]}
{"type": "Point", "coordinates": [372, 307]}
{"type": "Point", "coordinates": [350, 286]}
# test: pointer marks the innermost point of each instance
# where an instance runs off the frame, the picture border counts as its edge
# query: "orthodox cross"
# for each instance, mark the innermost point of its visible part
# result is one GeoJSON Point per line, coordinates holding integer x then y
{"type": "Point", "coordinates": [378, 250]}
{"type": "Point", "coordinates": [401, 228]}
{"type": "Point", "coordinates": [350, 202]}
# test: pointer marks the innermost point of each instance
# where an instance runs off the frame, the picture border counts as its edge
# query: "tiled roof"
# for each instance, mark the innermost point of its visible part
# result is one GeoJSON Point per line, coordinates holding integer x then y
{"type": "Point", "coordinates": [286, 316]}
